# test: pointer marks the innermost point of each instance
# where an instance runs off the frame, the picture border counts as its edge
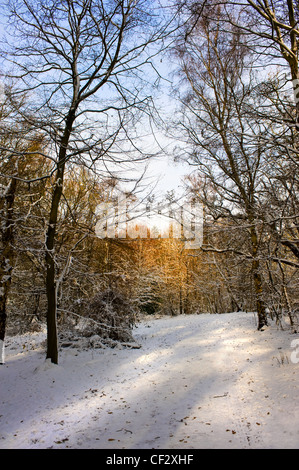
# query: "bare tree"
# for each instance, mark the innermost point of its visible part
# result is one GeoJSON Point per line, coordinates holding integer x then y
{"type": "Point", "coordinates": [19, 156]}
{"type": "Point", "coordinates": [273, 29]}
{"type": "Point", "coordinates": [84, 64]}
{"type": "Point", "coordinates": [223, 141]}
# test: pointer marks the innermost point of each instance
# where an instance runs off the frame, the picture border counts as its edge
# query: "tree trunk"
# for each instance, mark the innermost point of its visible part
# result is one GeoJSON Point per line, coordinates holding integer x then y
{"type": "Point", "coordinates": [5, 286]}
{"type": "Point", "coordinates": [258, 286]}
{"type": "Point", "coordinates": [257, 280]}
{"type": "Point", "coordinates": [52, 337]}
{"type": "Point", "coordinates": [181, 300]}
{"type": "Point", "coordinates": [2, 328]}
{"type": "Point", "coordinates": [6, 260]}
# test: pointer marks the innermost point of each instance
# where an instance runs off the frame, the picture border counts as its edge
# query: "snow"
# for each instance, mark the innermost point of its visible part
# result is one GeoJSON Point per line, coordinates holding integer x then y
{"type": "Point", "coordinates": [198, 381]}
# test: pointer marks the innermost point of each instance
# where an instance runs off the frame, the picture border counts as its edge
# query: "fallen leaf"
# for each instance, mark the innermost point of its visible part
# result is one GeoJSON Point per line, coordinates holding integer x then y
{"type": "Point", "coordinates": [62, 441]}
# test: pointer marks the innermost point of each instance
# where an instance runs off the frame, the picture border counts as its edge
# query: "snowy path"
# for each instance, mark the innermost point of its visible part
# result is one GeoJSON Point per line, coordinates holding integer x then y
{"type": "Point", "coordinates": [201, 381]}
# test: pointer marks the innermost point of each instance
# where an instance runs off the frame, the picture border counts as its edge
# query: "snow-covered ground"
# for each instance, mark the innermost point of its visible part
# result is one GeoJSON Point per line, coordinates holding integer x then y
{"type": "Point", "coordinates": [198, 381]}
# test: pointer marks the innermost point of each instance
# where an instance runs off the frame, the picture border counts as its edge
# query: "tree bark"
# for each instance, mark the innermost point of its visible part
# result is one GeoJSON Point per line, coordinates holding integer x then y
{"type": "Point", "coordinates": [260, 306]}
{"type": "Point", "coordinates": [6, 260]}
{"type": "Point", "coordinates": [51, 291]}
{"type": "Point", "coordinates": [257, 281]}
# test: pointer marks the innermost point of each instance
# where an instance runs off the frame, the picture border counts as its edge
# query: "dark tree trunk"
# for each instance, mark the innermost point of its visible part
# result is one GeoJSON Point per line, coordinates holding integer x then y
{"type": "Point", "coordinates": [52, 337]}
{"type": "Point", "coordinates": [258, 286]}
{"type": "Point", "coordinates": [257, 280]}
{"type": "Point", "coordinates": [6, 259]}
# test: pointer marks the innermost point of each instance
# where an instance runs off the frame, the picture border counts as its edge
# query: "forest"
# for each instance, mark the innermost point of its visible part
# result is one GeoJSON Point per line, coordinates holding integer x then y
{"type": "Point", "coordinates": [88, 87]}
